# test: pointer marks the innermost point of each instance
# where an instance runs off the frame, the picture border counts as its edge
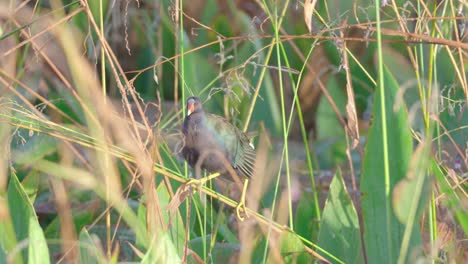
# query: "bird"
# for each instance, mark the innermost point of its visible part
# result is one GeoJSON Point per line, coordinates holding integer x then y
{"type": "Point", "coordinates": [215, 145]}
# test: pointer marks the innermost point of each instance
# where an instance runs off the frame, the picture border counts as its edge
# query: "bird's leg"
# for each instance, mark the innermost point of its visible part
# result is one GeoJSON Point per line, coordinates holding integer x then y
{"type": "Point", "coordinates": [198, 183]}
{"type": "Point", "coordinates": [240, 208]}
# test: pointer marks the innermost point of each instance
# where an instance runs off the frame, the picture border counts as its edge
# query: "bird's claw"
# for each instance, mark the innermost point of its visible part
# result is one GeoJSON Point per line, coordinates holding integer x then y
{"type": "Point", "coordinates": [241, 208]}
{"type": "Point", "coordinates": [193, 183]}
{"type": "Point", "coordinates": [241, 211]}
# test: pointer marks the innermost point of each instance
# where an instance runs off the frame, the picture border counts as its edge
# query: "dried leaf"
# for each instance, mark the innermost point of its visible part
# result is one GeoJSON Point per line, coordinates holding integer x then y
{"type": "Point", "coordinates": [352, 124]}
{"type": "Point", "coordinates": [182, 193]}
{"type": "Point", "coordinates": [351, 114]}
{"type": "Point", "coordinates": [195, 256]}
{"type": "Point", "coordinates": [135, 250]}
{"type": "Point", "coordinates": [309, 6]}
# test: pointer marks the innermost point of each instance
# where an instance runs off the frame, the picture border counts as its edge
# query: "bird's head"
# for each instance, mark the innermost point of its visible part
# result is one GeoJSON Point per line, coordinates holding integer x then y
{"type": "Point", "coordinates": [193, 105]}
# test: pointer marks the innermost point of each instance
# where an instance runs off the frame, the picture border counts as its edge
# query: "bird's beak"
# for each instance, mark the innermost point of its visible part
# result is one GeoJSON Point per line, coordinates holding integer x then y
{"type": "Point", "coordinates": [190, 108]}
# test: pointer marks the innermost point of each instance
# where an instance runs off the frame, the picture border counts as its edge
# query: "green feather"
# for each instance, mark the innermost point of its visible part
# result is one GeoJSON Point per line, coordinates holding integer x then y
{"type": "Point", "coordinates": [235, 143]}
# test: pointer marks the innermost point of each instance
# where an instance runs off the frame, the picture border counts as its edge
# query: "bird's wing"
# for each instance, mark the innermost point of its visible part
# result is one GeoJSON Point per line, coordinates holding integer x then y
{"type": "Point", "coordinates": [236, 144]}
{"type": "Point", "coordinates": [245, 155]}
{"type": "Point", "coordinates": [223, 133]}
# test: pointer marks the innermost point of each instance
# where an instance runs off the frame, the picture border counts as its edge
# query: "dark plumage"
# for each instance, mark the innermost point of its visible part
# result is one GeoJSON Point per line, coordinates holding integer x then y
{"type": "Point", "coordinates": [210, 136]}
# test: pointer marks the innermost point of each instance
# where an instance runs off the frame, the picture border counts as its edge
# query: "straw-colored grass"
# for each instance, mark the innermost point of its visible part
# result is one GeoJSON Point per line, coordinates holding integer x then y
{"type": "Point", "coordinates": [360, 111]}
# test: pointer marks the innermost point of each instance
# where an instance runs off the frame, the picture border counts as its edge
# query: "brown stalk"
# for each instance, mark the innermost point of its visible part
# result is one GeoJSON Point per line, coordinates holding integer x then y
{"type": "Point", "coordinates": [351, 128]}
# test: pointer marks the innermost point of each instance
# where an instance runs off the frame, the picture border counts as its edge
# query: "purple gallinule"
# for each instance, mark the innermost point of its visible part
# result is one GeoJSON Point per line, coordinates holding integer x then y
{"type": "Point", "coordinates": [215, 145]}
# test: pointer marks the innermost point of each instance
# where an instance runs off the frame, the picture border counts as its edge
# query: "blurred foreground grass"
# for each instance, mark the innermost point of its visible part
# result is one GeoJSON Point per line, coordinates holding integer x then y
{"type": "Point", "coordinates": [360, 111]}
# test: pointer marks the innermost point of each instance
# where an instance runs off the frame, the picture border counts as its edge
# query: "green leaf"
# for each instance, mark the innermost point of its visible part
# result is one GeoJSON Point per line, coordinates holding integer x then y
{"type": "Point", "coordinates": [2, 255]}
{"type": "Point", "coordinates": [8, 240]}
{"type": "Point", "coordinates": [81, 20]}
{"type": "Point", "coordinates": [25, 224]}
{"type": "Point", "coordinates": [176, 228]}
{"type": "Point", "coordinates": [331, 140]}
{"type": "Point", "coordinates": [38, 251]}
{"type": "Point", "coordinates": [21, 211]}
{"type": "Point", "coordinates": [221, 252]}
{"type": "Point", "coordinates": [161, 250]}
{"type": "Point", "coordinates": [453, 200]}
{"type": "Point", "coordinates": [197, 70]}
{"type": "Point", "coordinates": [336, 9]}
{"type": "Point", "coordinates": [305, 220]}
{"type": "Point", "coordinates": [339, 229]}
{"type": "Point", "coordinates": [176, 232]}
{"type": "Point", "coordinates": [383, 232]}
{"type": "Point", "coordinates": [141, 214]}
{"type": "Point", "coordinates": [31, 185]}
{"type": "Point", "coordinates": [34, 148]}
{"type": "Point", "coordinates": [293, 250]}
{"type": "Point", "coordinates": [89, 248]}
{"type": "Point", "coordinates": [80, 219]}
{"type": "Point", "coordinates": [412, 193]}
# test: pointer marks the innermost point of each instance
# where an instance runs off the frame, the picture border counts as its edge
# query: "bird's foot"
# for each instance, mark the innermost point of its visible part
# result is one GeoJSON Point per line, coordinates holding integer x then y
{"type": "Point", "coordinates": [198, 183]}
{"type": "Point", "coordinates": [194, 184]}
{"type": "Point", "coordinates": [241, 211]}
